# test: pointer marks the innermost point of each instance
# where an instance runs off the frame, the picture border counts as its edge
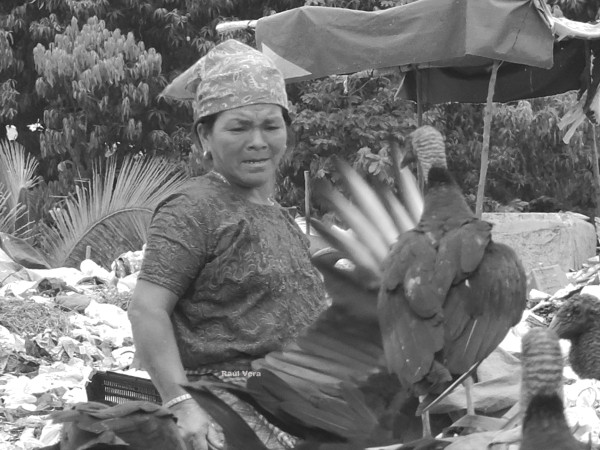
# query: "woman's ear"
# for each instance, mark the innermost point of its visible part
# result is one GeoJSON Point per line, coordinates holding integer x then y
{"type": "Point", "coordinates": [200, 140]}
{"type": "Point", "coordinates": [200, 136]}
{"type": "Point", "coordinates": [195, 137]}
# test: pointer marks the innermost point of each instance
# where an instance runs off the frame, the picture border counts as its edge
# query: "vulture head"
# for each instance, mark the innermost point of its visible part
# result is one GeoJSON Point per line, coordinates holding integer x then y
{"type": "Point", "coordinates": [426, 146]}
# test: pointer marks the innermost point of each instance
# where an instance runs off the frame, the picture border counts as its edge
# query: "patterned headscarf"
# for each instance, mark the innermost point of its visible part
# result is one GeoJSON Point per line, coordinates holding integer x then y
{"type": "Point", "coordinates": [229, 76]}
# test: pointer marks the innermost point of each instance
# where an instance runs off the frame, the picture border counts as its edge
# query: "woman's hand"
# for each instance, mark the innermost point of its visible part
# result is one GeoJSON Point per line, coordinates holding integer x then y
{"type": "Point", "coordinates": [196, 426]}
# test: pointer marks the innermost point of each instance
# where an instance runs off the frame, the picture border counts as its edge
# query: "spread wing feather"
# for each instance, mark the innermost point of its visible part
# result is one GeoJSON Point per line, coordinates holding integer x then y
{"type": "Point", "coordinates": [354, 352]}
{"type": "Point", "coordinates": [314, 386]}
{"type": "Point", "coordinates": [335, 368]}
{"type": "Point", "coordinates": [309, 407]}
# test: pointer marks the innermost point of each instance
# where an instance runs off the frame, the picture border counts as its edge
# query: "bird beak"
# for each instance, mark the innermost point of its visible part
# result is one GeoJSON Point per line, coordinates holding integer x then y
{"type": "Point", "coordinates": [408, 158]}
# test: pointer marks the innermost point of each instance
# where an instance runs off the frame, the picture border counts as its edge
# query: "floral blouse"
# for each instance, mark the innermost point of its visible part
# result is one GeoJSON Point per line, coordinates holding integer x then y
{"type": "Point", "coordinates": [241, 270]}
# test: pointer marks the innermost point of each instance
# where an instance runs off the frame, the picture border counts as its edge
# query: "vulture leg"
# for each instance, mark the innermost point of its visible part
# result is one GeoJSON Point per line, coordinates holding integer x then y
{"type": "Point", "coordinates": [468, 383]}
{"type": "Point", "coordinates": [462, 379]}
{"type": "Point", "coordinates": [425, 419]}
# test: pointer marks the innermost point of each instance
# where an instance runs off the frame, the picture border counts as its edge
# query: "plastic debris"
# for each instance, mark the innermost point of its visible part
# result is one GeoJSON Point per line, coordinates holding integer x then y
{"type": "Point", "coordinates": [99, 338]}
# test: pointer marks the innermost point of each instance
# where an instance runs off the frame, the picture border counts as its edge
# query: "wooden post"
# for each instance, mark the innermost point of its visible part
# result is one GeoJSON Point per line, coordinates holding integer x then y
{"type": "Point", "coordinates": [596, 169]}
{"type": "Point", "coordinates": [307, 200]}
{"type": "Point", "coordinates": [419, 97]}
{"type": "Point", "coordinates": [418, 76]}
{"type": "Point", "coordinates": [485, 149]}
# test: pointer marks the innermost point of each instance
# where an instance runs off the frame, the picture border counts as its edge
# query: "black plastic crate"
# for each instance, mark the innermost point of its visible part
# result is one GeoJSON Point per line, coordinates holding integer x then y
{"type": "Point", "coordinates": [113, 388]}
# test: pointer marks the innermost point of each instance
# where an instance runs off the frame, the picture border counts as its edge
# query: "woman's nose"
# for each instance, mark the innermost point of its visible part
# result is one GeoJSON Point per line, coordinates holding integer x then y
{"type": "Point", "coordinates": [257, 139]}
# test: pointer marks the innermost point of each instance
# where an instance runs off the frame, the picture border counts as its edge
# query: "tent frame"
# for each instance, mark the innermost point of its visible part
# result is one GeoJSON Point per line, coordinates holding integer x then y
{"type": "Point", "coordinates": [561, 27]}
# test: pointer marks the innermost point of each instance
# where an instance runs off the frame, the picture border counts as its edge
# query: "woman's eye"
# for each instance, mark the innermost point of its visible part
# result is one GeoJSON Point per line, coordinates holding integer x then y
{"type": "Point", "coordinates": [272, 127]}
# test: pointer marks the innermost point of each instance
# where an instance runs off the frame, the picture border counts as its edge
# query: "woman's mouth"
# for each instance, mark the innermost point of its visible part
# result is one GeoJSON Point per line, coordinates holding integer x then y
{"type": "Point", "coordinates": [256, 164]}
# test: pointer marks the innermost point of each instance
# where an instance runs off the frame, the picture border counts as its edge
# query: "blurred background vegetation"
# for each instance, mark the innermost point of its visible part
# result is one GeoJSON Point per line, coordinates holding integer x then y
{"type": "Point", "coordinates": [79, 82]}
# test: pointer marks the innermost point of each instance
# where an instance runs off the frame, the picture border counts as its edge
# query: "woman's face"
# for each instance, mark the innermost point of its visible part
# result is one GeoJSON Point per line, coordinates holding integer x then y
{"type": "Point", "coordinates": [247, 143]}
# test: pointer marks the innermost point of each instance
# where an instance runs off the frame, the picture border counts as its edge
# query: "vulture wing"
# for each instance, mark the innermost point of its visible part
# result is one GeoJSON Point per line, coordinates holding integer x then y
{"type": "Point", "coordinates": [331, 385]}
{"type": "Point", "coordinates": [486, 289]}
{"type": "Point", "coordinates": [486, 296]}
{"type": "Point", "coordinates": [328, 384]}
{"type": "Point", "coordinates": [410, 309]}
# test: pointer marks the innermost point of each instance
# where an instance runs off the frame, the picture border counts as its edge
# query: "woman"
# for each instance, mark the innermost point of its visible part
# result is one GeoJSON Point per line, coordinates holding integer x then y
{"type": "Point", "coordinates": [226, 276]}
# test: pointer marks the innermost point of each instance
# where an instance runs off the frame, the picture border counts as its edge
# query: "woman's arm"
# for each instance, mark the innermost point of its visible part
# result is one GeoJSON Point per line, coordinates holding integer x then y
{"type": "Point", "coordinates": [150, 316]}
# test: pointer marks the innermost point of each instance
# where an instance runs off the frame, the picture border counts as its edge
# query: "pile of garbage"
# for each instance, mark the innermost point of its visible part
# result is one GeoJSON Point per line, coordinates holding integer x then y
{"type": "Point", "coordinates": [60, 326]}
{"type": "Point", "coordinates": [57, 328]}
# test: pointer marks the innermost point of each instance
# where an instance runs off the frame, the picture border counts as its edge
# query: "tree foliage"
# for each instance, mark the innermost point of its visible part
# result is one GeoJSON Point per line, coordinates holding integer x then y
{"type": "Point", "coordinates": [89, 73]}
{"type": "Point", "coordinates": [99, 87]}
{"type": "Point", "coordinates": [178, 31]}
{"type": "Point", "coordinates": [528, 158]}
{"type": "Point", "coordinates": [348, 117]}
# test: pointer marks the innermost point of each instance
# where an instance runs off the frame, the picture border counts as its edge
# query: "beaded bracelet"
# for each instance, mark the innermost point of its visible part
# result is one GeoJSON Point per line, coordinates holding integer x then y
{"type": "Point", "coordinates": [177, 400]}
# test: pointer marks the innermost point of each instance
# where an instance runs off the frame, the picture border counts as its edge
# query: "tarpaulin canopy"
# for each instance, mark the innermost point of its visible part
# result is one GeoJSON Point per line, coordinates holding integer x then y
{"type": "Point", "coordinates": [452, 42]}
{"type": "Point", "coordinates": [515, 81]}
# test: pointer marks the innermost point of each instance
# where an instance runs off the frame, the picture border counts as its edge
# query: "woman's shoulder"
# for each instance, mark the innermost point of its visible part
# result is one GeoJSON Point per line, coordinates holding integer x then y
{"type": "Point", "coordinates": [199, 199]}
{"type": "Point", "coordinates": [197, 191]}
{"type": "Point", "coordinates": [201, 186]}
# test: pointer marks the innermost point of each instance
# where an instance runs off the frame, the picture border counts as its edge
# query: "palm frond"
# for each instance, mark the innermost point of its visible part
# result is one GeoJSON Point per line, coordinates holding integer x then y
{"type": "Point", "coordinates": [9, 215]}
{"type": "Point", "coordinates": [112, 213]}
{"type": "Point", "coordinates": [22, 252]}
{"type": "Point", "coordinates": [17, 170]}
{"type": "Point", "coordinates": [17, 176]}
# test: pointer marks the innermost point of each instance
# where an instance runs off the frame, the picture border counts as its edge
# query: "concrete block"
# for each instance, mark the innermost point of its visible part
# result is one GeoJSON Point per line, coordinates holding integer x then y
{"type": "Point", "coordinates": [545, 239]}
